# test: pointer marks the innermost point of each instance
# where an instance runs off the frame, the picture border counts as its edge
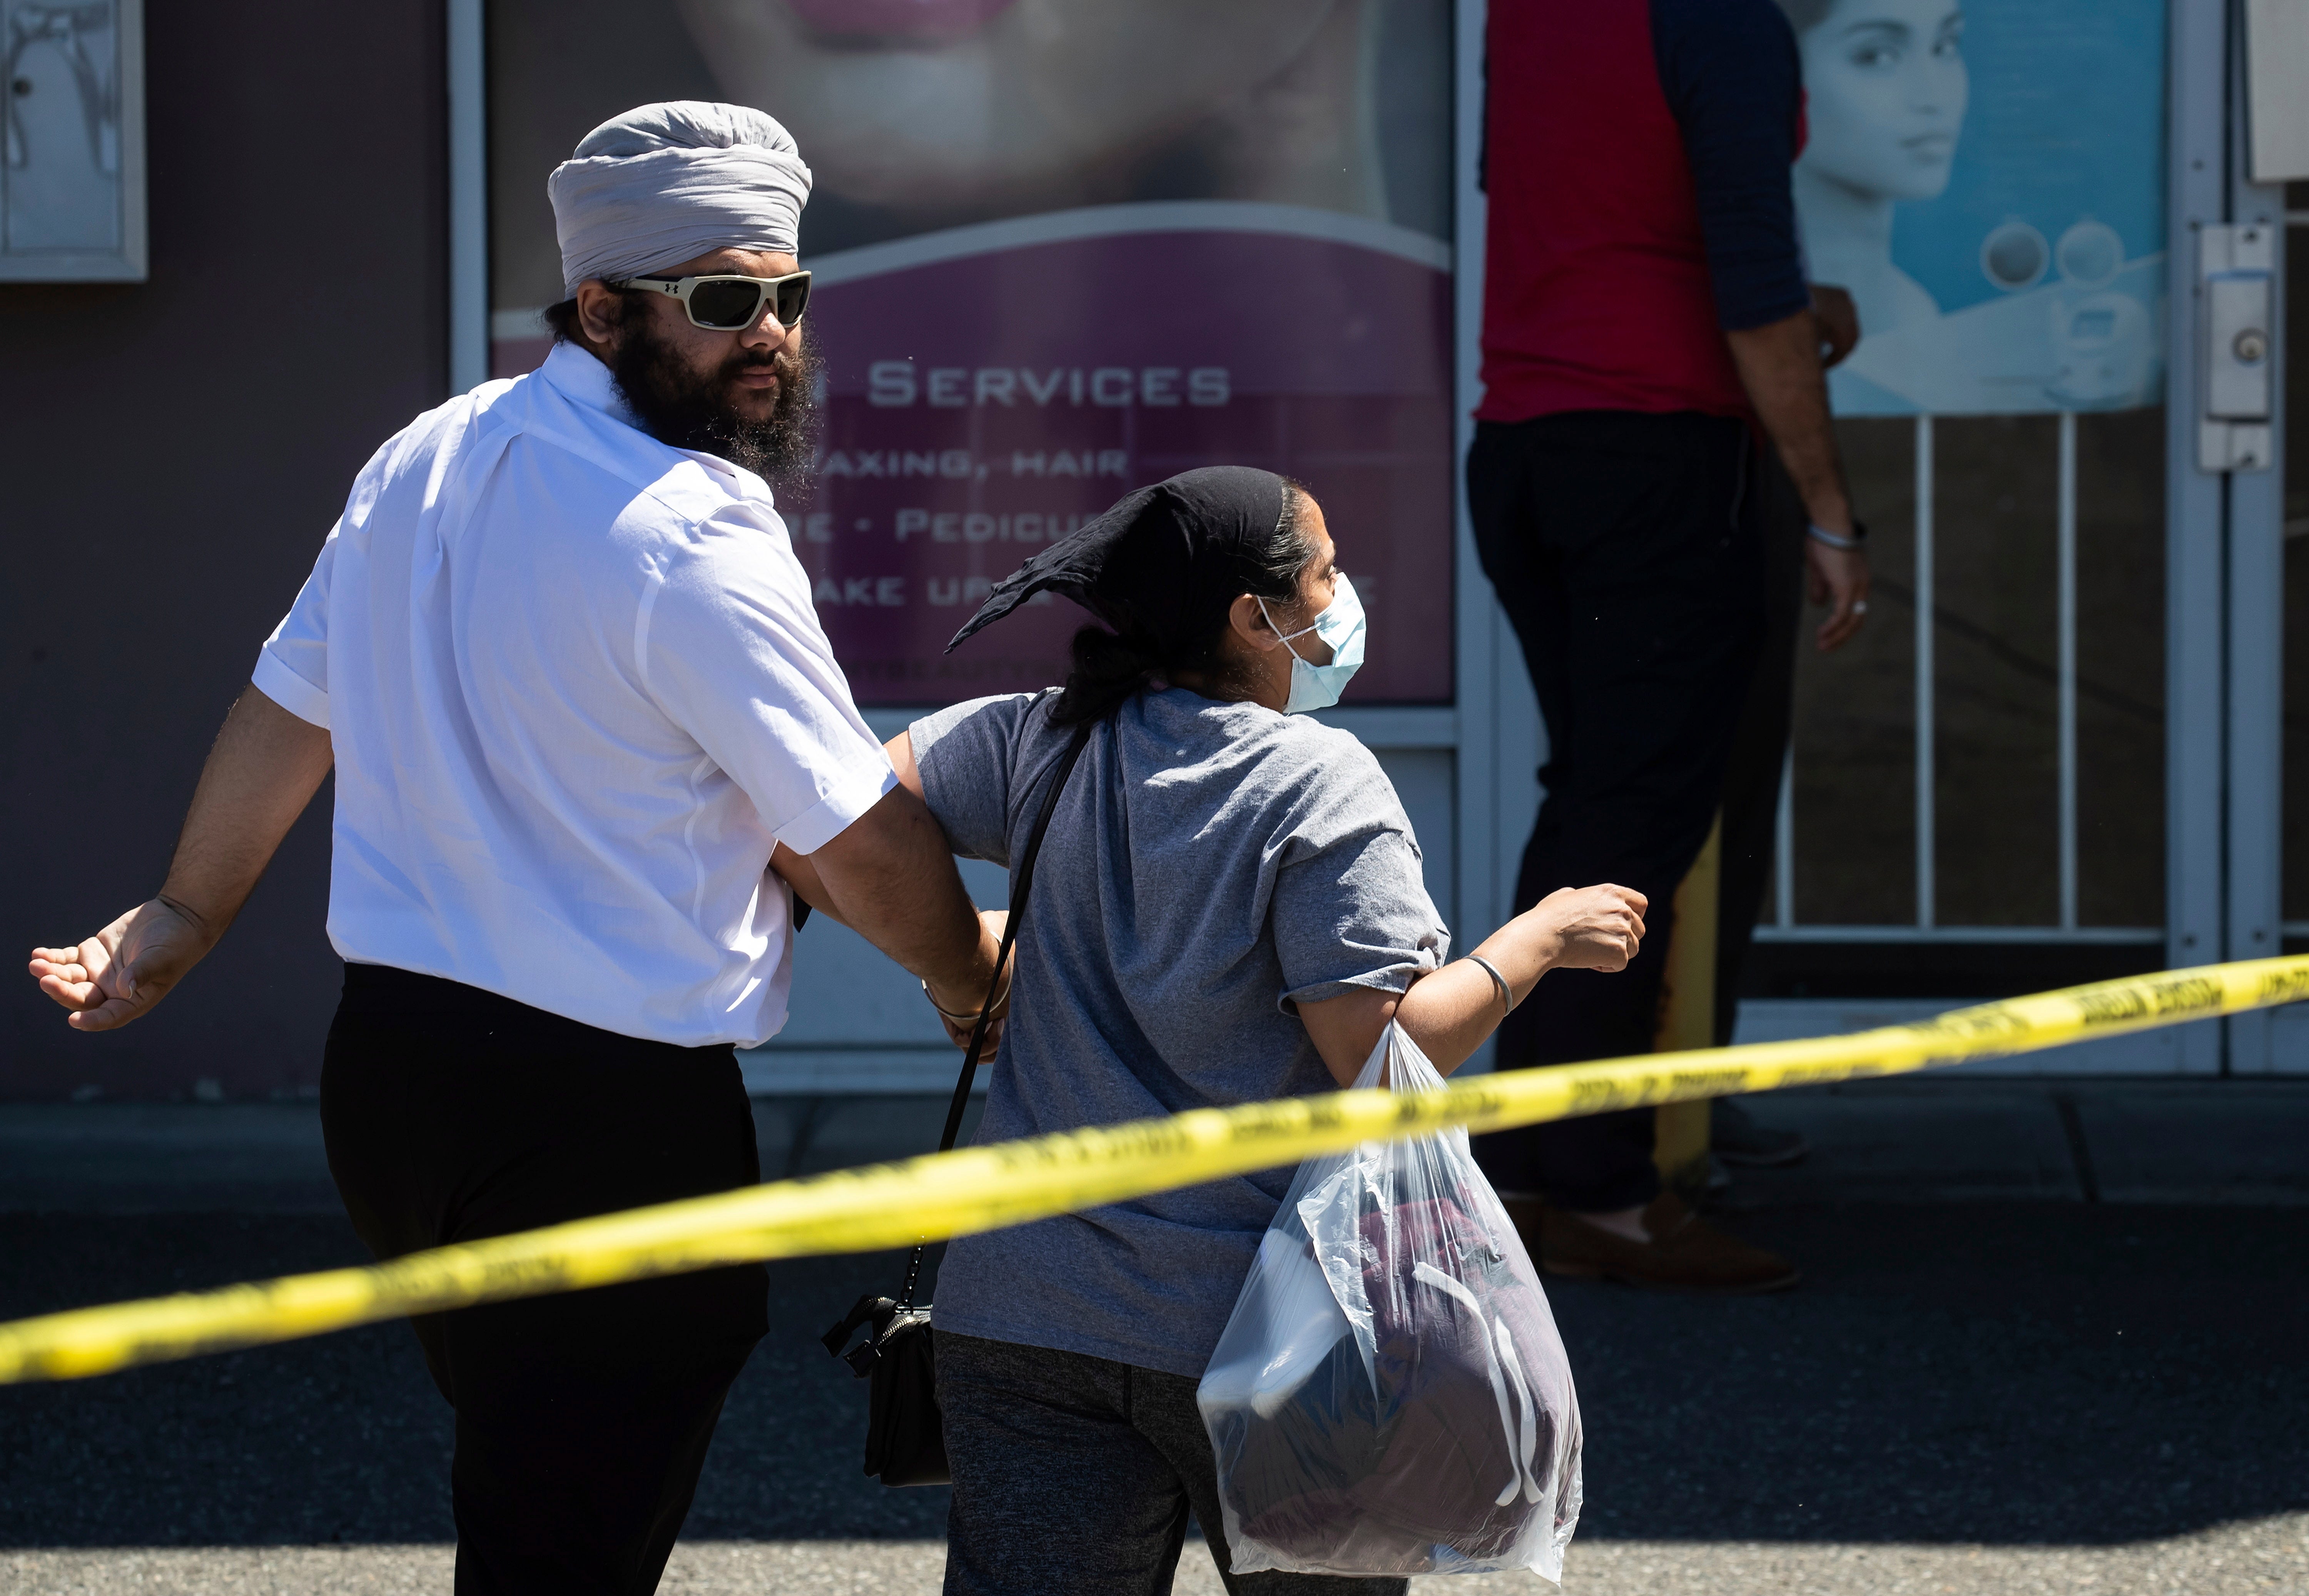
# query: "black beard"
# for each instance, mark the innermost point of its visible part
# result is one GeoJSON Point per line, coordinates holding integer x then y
{"type": "Point", "coordinates": [675, 407]}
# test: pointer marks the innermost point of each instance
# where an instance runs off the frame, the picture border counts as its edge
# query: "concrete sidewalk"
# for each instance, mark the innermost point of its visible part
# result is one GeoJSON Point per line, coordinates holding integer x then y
{"type": "Point", "coordinates": [1916, 1140]}
{"type": "Point", "coordinates": [2269, 1555]}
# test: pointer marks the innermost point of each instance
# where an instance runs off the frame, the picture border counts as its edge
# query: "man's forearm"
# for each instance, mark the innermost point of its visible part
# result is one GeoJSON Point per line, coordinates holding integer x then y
{"type": "Point", "coordinates": [890, 877]}
{"type": "Point", "coordinates": [1779, 366]}
{"type": "Point", "coordinates": [263, 769]}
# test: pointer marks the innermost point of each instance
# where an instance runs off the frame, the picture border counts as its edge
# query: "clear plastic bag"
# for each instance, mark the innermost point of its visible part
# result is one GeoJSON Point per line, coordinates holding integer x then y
{"type": "Point", "coordinates": [1390, 1395]}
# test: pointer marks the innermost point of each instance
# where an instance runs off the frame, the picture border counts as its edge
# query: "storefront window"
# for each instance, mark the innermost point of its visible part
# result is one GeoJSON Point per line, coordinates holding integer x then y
{"type": "Point", "coordinates": [1060, 251]}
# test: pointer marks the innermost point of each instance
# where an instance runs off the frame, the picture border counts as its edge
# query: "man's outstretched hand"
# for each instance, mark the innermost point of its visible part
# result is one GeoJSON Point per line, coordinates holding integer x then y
{"type": "Point", "coordinates": [117, 975]}
{"type": "Point", "coordinates": [263, 771]}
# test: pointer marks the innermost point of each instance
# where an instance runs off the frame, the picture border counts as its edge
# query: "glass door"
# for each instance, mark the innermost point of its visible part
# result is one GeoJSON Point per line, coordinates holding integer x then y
{"type": "Point", "coordinates": [1976, 803]}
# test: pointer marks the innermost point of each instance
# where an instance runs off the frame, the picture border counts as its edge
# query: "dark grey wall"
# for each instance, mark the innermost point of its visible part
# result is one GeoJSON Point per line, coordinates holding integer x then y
{"type": "Point", "coordinates": [171, 455]}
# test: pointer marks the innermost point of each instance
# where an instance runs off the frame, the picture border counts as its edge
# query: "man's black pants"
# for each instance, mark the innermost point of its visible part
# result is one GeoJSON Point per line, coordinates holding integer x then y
{"type": "Point", "coordinates": [1626, 549]}
{"type": "Point", "coordinates": [583, 1419]}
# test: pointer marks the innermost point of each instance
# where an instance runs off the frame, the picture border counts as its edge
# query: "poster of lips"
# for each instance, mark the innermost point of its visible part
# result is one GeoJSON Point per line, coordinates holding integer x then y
{"type": "Point", "coordinates": [1059, 252]}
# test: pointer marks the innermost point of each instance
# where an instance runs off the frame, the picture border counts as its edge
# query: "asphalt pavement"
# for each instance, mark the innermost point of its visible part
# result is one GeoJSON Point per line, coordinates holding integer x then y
{"type": "Point", "coordinates": [2019, 1361]}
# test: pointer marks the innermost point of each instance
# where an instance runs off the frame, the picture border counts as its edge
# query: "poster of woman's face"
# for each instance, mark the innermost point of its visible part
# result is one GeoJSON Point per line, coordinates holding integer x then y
{"type": "Point", "coordinates": [1986, 178]}
{"type": "Point", "coordinates": [1886, 87]}
{"type": "Point", "coordinates": [1059, 251]}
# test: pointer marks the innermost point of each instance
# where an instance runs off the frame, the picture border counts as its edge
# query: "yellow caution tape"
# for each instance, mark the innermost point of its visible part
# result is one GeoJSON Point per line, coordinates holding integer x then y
{"type": "Point", "coordinates": [976, 1189]}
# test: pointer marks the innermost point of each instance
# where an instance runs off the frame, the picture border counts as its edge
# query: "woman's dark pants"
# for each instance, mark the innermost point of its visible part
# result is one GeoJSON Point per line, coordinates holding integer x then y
{"type": "Point", "coordinates": [1075, 1475]}
{"type": "Point", "coordinates": [1626, 549]}
{"type": "Point", "coordinates": [583, 1419]}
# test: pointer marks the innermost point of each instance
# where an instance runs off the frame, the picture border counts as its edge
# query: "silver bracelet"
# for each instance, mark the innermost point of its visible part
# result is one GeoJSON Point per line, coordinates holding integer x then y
{"type": "Point", "coordinates": [966, 1019]}
{"type": "Point", "coordinates": [1506, 993]}
{"type": "Point", "coordinates": [1821, 535]}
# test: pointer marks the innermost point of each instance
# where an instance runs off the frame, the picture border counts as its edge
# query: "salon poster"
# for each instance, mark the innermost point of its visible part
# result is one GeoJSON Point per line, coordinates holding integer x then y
{"type": "Point", "coordinates": [1986, 179]}
{"type": "Point", "coordinates": [1059, 252]}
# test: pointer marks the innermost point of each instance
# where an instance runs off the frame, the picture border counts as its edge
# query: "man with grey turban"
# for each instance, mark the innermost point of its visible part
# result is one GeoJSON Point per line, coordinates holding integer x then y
{"type": "Point", "coordinates": [667, 183]}
{"type": "Point", "coordinates": [710, 195]}
{"type": "Point", "coordinates": [563, 660]}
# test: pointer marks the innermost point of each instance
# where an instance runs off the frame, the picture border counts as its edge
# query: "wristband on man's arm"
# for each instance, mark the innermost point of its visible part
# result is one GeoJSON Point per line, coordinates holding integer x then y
{"type": "Point", "coordinates": [1821, 535]}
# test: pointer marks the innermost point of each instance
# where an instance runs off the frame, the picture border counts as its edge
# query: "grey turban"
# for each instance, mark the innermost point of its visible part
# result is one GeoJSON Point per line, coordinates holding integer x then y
{"type": "Point", "coordinates": [667, 183]}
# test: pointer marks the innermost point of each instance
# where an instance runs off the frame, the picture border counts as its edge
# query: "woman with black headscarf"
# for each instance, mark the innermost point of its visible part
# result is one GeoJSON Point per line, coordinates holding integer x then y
{"type": "Point", "coordinates": [1227, 907]}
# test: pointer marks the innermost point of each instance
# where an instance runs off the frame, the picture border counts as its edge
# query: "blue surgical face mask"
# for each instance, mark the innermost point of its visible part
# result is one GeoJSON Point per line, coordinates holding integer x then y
{"type": "Point", "coordinates": [1319, 687]}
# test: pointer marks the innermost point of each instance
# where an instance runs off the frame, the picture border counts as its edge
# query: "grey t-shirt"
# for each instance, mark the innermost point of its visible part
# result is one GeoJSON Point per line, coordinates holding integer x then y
{"type": "Point", "coordinates": [1210, 866]}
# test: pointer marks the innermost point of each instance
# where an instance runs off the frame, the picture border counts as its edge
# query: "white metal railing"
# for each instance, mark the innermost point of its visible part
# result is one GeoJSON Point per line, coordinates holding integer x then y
{"type": "Point", "coordinates": [2096, 935]}
{"type": "Point", "coordinates": [1784, 844]}
{"type": "Point", "coordinates": [1784, 925]}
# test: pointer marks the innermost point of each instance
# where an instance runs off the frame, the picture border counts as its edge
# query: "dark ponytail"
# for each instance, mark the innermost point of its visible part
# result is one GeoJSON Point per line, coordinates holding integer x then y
{"type": "Point", "coordinates": [1108, 672]}
{"type": "Point", "coordinates": [1109, 669]}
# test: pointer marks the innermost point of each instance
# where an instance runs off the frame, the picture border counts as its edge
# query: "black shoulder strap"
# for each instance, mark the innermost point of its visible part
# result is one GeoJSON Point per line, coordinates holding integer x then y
{"type": "Point", "coordinates": [1022, 883]}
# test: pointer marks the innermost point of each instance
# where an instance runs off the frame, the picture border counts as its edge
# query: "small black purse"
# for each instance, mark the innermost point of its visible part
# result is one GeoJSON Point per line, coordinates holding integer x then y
{"type": "Point", "coordinates": [906, 1442]}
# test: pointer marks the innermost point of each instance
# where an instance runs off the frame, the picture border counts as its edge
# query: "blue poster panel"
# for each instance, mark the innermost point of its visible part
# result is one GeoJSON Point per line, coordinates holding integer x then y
{"type": "Point", "coordinates": [1987, 180]}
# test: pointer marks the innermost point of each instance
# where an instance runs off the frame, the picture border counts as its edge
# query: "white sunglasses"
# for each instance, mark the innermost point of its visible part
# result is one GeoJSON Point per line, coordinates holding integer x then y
{"type": "Point", "coordinates": [730, 304]}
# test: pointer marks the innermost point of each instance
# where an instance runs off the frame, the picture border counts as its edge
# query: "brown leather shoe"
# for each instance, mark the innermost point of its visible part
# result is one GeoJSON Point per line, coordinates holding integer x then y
{"type": "Point", "coordinates": [1685, 1254]}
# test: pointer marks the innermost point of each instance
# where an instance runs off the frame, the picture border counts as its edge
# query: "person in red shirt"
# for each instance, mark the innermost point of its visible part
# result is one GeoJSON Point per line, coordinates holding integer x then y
{"type": "Point", "coordinates": [1652, 363]}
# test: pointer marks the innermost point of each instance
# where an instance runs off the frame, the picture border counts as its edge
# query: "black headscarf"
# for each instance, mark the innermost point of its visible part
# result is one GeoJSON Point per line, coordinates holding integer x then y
{"type": "Point", "coordinates": [1163, 564]}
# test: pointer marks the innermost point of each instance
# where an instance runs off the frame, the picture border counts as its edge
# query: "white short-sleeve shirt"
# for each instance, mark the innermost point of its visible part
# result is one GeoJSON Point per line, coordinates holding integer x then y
{"type": "Point", "coordinates": [577, 691]}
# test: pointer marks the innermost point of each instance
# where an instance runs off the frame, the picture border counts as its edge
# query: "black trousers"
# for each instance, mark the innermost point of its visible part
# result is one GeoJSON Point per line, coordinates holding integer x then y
{"type": "Point", "coordinates": [1752, 776]}
{"type": "Point", "coordinates": [1075, 1475]}
{"type": "Point", "coordinates": [583, 1419]}
{"type": "Point", "coordinates": [1626, 550]}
